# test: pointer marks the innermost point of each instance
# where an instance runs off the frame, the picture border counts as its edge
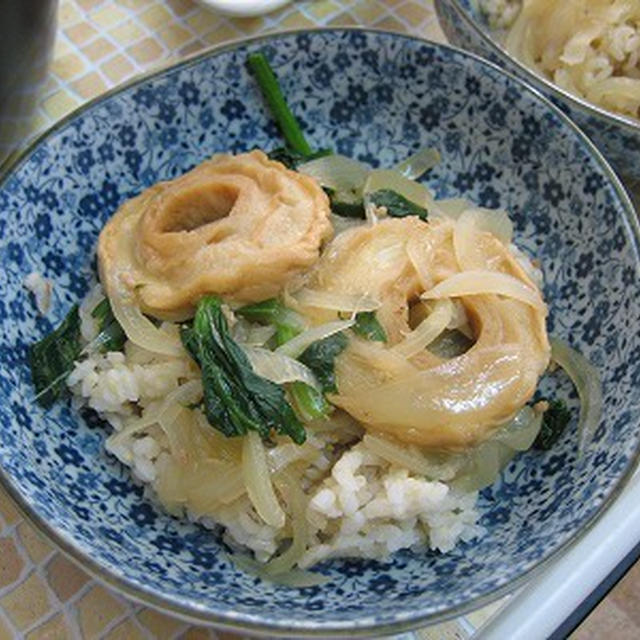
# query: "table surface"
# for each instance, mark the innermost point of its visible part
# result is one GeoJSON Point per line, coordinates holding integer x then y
{"type": "Point", "coordinates": [101, 43]}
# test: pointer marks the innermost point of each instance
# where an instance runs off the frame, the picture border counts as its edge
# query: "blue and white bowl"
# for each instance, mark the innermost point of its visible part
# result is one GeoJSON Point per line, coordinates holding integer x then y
{"type": "Point", "coordinates": [617, 136]}
{"type": "Point", "coordinates": [374, 96]}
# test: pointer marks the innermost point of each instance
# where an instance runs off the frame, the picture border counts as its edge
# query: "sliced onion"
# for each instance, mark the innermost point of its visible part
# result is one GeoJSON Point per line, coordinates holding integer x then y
{"type": "Point", "coordinates": [279, 368]}
{"type": "Point", "coordinates": [495, 221]}
{"type": "Point", "coordinates": [141, 331]}
{"type": "Point", "coordinates": [418, 163]}
{"type": "Point", "coordinates": [451, 207]}
{"type": "Point", "coordinates": [348, 302]}
{"type": "Point", "coordinates": [467, 241]}
{"type": "Point", "coordinates": [588, 384]}
{"type": "Point", "coordinates": [427, 331]}
{"type": "Point", "coordinates": [167, 410]}
{"type": "Point", "coordinates": [295, 579]}
{"type": "Point", "coordinates": [297, 502]}
{"type": "Point", "coordinates": [340, 223]}
{"type": "Point", "coordinates": [336, 172]}
{"type": "Point", "coordinates": [520, 432]}
{"type": "Point", "coordinates": [211, 484]}
{"type": "Point", "coordinates": [434, 467]}
{"type": "Point", "coordinates": [257, 478]}
{"type": "Point", "coordinates": [297, 345]}
{"type": "Point", "coordinates": [483, 466]}
{"type": "Point", "coordinates": [481, 282]}
{"type": "Point", "coordinates": [256, 336]}
{"type": "Point", "coordinates": [283, 455]}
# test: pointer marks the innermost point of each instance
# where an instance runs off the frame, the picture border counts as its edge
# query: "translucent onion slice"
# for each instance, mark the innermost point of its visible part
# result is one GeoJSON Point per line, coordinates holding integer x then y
{"type": "Point", "coordinates": [520, 433]}
{"type": "Point", "coordinates": [588, 384]}
{"type": "Point", "coordinates": [283, 455]}
{"type": "Point", "coordinates": [296, 578]}
{"type": "Point", "coordinates": [427, 331]}
{"type": "Point", "coordinates": [229, 449]}
{"type": "Point", "coordinates": [168, 410]}
{"type": "Point", "coordinates": [279, 368]}
{"type": "Point", "coordinates": [297, 501]}
{"type": "Point", "coordinates": [495, 221]}
{"type": "Point", "coordinates": [480, 282]}
{"type": "Point", "coordinates": [348, 302]}
{"type": "Point", "coordinates": [451, 207]}
{"type": "Point", "coordinates": [336, 172]}
{"type": "Point", "coordinates": [211, 484]}
{"type": "Point", "coordinates": [340, 223]}
{"type": "Point", "coordinates": [257, 479]}
{"type": "Point", "coordinates": [433, 466]}
{"type": "Point", "coordinates": [297, 345]}
{"type": "Point", "coordinates": [250, 334]}
{"type": "Point", "coordinates": [483, 466]}
{"type": "Point", "coordinates": [418, 163]}
{"type": "Point", "coordinates": [141, 331]}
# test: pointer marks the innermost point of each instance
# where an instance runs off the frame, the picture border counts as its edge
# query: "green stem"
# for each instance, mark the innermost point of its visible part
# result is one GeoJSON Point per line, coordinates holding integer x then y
{"type": "Point", "coordinates": [272, 93]}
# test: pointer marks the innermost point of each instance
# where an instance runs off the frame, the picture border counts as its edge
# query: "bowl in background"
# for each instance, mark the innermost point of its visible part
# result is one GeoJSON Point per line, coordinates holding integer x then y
{"type": "Point", "coordinates": [375, 96]}
{"type": "Point", "coordinates": [617, 136]}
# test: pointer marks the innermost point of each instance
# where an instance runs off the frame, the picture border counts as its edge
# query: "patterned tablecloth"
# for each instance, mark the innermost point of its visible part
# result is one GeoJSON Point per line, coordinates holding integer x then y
{"type": "Point", "coordinates": [101, 43]}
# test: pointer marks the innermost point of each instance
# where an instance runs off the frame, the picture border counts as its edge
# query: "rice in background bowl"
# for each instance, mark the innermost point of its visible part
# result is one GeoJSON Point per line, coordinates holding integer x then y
{"type": "Point", "coordinates": [480, 26]}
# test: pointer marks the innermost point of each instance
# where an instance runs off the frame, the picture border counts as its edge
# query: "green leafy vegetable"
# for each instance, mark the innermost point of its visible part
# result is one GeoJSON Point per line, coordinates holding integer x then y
{"type": "Point", "coordinates": [111, 337]}
{"type": "Point", "coordinates": [288, 323]}
{"type": "Point", "coordinates": [310, 403]}
{"type": "Point", "coordinates": [293, 160]}
{"type": "Point", "coordinates": [320, 358]}
{"type": "Point", "coordinates": [51, 359]}
{"type": "Point", "coordinates": [554, 422]}
{"type": "Point", "coordinates": [368, 327]}
{"type": "Point", "coordinates": [397, 205]}
{"type": "Point", "coordinates": [347, 205]}
{"type": "Point", "coordinates": [268, 83]}
{"type": "Point", "coordinates": [236, 400]}
{"type": "Point", "coordinates": [352, 206]}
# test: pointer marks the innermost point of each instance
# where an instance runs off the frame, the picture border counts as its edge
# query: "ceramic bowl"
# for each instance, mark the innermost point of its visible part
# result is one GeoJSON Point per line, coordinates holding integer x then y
{"type": "Point", "coordinates": [375, 96]}
{"type": "Point", "coordinates": [617, 136]}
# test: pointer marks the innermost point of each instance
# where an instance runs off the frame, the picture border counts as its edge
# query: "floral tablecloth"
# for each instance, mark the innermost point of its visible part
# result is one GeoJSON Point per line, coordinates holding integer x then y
{"type": "Point", "coordinates": [101, 43]}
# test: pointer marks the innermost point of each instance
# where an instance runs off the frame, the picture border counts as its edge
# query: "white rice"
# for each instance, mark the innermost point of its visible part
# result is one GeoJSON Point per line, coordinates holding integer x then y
{"type": "Point", "coordinates": [41, 289]}
{"type": "Point", "coordinates": [588, 63]}
{"type": "Point", "coordinates": [359, 505]}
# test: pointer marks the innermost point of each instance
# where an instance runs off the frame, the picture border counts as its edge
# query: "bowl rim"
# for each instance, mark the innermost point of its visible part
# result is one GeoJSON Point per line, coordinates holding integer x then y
{"type": "Point", "coordinates": [532, 76]}
{"type": "Point", "coordinates": [194, 614]}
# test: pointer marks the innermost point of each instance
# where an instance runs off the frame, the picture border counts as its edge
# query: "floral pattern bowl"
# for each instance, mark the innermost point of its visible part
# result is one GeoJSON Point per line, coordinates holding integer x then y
{"type": "Point", "coordinates": [375, 96]}
{"type": "Point", "coordinates": [617, 136]}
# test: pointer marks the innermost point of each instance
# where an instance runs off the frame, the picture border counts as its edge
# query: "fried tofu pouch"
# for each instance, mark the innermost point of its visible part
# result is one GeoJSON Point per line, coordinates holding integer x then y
{"type": "Point", "coordinates": [238, 226]}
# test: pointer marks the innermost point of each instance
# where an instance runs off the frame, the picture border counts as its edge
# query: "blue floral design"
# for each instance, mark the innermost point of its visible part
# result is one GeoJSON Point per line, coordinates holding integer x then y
{"type": "Point", "coordinates": [390, 95]}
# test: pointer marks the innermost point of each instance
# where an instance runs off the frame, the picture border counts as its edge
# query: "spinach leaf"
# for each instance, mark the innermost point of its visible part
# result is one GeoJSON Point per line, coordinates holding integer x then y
{"type": "Point", "coordinates": [236, 399]}
{"type": "Point", "coordinates": [320, 358]}
{"type": "Point", "coordinates": [554, 422]}
{"type": "Point", "coordinates": [397, 205]}
{"type": "Point", "coordinates": [368, 327]}
{"type": "Point", "coordinates": [51, 359]}
{"type": "Point", "coordinates": [272, 93]}
{"type": "Point", "coordinates": [292, 160]}
{"type": "Point", "coordinates": [111, 337]}
{"type": "Point", "coordinates": [310, 403]}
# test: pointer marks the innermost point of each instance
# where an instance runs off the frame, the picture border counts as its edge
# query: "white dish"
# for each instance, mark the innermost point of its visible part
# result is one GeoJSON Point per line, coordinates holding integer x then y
{"type": "Point", "coordinates": [244, 8]}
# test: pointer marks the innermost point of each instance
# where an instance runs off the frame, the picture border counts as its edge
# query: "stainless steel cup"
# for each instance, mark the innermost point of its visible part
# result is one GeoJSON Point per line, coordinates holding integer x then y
{"type": "Point", "coordinates": [27, 32]}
